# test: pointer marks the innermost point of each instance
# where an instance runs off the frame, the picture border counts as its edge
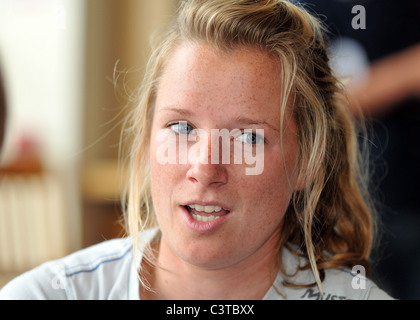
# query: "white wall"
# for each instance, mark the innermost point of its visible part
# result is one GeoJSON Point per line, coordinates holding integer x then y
{"type": "Point", "coordinates": [41, 53]}
{"type": "Point", "coordinates": [41, 57]}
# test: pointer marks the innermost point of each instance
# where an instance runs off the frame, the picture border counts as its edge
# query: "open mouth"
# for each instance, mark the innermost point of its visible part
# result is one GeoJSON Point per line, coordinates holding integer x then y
{"type": "Point", "coordinates": [206, 213]}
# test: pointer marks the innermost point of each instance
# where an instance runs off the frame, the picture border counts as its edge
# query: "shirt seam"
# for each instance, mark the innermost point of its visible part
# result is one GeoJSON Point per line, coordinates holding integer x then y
{"type": "Point", "coordinates": [95, 264]}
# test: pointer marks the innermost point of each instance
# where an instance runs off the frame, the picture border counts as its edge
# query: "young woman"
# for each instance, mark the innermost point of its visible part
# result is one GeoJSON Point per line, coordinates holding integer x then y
{"type": "Point", "coordinates": [234, 85]}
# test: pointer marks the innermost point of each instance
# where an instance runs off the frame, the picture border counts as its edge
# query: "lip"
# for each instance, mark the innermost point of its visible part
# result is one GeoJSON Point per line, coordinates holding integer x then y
{"type": "Point", "coordinates": [202, 227]}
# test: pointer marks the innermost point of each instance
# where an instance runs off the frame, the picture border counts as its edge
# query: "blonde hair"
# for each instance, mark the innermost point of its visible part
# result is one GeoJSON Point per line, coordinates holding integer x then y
{"type": "Point", "coordinates": [329, 221]}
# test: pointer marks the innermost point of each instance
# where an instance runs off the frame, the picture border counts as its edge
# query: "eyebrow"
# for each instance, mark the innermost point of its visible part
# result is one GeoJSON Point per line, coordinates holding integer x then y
{"type": "Point", "coordinates": [243, 121]}
{"type": "Point", "coordinates": [177, 110]}
{"type": "Point", "coordinates": [258, 122]}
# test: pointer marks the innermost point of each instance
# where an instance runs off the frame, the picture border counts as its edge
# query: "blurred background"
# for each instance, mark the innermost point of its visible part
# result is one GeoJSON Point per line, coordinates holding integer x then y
{"type": "Point", "coordinates": [375, 44]}
{"type": "Point", "coordinates": [59, 180]}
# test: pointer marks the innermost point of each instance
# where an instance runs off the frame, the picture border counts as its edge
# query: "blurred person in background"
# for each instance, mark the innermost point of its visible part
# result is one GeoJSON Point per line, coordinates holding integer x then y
{"type": "Point", "coordinates": [385, 52]}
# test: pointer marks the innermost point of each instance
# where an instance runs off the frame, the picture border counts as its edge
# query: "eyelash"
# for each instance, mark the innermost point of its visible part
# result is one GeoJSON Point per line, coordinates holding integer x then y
{"type": "Point", "coordinates": [179, 123]}
{"type": "Point", "coordinates": [187, 126]}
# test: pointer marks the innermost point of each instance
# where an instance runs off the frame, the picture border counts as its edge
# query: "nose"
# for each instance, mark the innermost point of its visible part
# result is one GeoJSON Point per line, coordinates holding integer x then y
{"type": "Point", "coordinates": [204, 168]}
{"type": "Point", "coordinates": [207, 174]}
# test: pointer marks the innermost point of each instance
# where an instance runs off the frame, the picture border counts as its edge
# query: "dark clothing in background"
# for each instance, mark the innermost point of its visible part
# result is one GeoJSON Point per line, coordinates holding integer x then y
{"type": "Point", "coordinates": [391, 26]}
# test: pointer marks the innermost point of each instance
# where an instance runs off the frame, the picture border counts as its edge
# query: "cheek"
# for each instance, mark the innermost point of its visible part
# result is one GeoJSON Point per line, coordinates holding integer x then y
{"type": "Point", "coordinates": [264, 202]}
{"type": "Point", "coordinates": [269, 193]}
{"type": "Point", "coordinates": [161, 176]}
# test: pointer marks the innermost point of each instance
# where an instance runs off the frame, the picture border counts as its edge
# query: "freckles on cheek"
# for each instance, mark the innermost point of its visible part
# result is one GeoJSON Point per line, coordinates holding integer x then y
{"type": "Point", "coordinates": [162, 178]}
{"type": "Point", "coordinates": [162, 193]}
{"type": "Point", "coordinates": [268, 193]}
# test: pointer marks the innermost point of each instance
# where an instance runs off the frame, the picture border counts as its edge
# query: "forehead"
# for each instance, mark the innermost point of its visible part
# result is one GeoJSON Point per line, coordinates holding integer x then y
{"type": "Point", "coordinates": [242, 76]}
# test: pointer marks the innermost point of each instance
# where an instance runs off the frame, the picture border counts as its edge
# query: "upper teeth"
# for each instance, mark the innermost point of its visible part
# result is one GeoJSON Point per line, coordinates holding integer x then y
{"type": "Point", "coordinates": [206, 209]}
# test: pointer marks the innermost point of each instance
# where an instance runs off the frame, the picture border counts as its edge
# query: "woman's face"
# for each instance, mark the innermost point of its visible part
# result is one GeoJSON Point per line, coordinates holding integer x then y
{"type": "Point", "coordinates": [212, 212]}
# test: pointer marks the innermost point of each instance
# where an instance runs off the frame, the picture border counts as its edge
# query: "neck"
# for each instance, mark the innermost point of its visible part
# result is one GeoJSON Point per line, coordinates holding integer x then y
{"type": "Point", "coordinates": [180, 280]}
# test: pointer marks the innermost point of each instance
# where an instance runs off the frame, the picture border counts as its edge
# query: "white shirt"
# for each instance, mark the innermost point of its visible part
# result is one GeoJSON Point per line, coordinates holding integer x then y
{"type": "Point", "coordinates": [107, 271]}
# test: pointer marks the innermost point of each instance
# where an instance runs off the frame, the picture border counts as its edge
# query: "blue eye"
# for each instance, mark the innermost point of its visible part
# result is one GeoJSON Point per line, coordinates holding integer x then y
{"type": "Point", "coordinates": [251, 138]}
{"type": "Point", "coordinates": [181, 127]}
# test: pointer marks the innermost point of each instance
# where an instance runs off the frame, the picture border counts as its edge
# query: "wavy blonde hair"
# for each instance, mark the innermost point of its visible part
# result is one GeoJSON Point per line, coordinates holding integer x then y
{"type": "Point", "coordinates": [329, 221]}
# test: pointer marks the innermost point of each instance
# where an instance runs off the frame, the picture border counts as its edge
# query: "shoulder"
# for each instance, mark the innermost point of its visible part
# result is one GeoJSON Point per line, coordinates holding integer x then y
{"type": "Point", "coordinates": [97, 272]}
{"type": "Point", "coordinates": [344, 284]}
{"type": "Point", "coordinates": [338, 284]}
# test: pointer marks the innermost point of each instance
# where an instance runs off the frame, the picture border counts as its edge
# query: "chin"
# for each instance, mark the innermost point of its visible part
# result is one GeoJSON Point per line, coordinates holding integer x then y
{"type": "Point", "coordinates": [208, 258]}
